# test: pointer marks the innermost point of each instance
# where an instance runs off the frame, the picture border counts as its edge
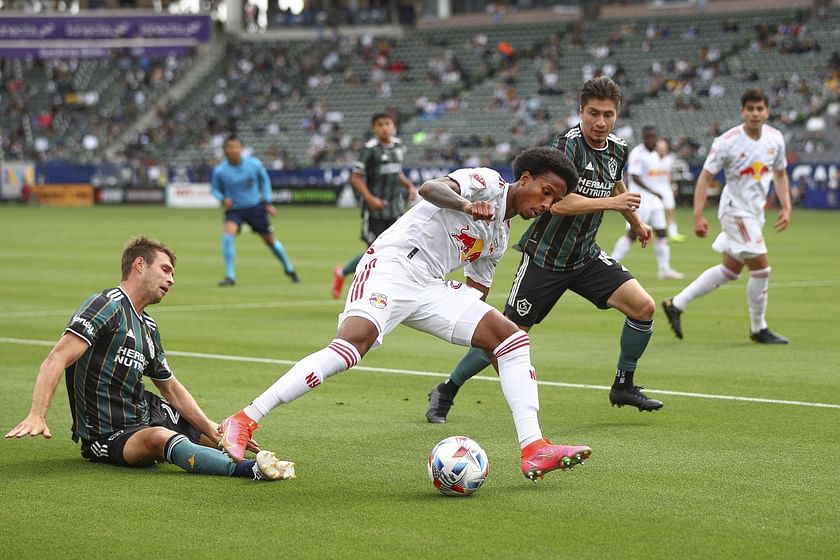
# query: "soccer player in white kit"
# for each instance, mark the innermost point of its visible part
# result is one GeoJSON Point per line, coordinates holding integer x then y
{"type": "Point", "coordinates": [666, 189]}
{"type": "Point", "coordinates": [650, 176]}
{"type": "Point", "coordinates": [751, 155]}
{"type": "Point", "coordinates": [462, 222]}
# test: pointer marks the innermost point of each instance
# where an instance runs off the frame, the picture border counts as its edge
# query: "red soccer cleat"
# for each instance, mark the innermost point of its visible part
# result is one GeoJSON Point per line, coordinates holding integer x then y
{"type": "Point", "coordinates": [338, 282]}
{"type": "Point", "coordinates": [236, 433]}
{"type": "Point", "coordinates": [541, 457]}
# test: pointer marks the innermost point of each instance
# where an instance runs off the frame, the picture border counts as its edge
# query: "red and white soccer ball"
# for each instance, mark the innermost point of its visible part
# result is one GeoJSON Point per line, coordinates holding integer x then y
{"type": "Point", "coordinates": [458, 466]}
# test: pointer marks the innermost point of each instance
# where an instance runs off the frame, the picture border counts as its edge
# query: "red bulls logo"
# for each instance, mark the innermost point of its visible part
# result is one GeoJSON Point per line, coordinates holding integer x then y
{"type": "Point", "coordinates": [470, 247]}
{"type": "Point", "coordinates": [756, 171]}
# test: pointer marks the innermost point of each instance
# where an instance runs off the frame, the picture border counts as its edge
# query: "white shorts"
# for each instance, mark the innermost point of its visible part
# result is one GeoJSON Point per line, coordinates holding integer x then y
{"type": "Point", "coordinates": [667, 194]}
{"type": "Point", "coordinates": [741, 238]}
{"type": "Point", "coordinates": [390, 290]}
{"type": "Point", "coordinates": [651, 211]}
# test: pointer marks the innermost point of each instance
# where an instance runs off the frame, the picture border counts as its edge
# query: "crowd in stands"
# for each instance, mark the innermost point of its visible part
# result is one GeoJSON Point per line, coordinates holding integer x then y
{"type": "Point", "coordinates": [50, 112]}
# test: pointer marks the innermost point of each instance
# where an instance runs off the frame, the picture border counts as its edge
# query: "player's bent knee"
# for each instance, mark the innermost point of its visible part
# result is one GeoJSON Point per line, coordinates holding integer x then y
{"type": "Point", "coordinates": [645, 309]}
{"type": "Point", "coordinates": [146, 446]}
{"type": "Point", "coordinates": [359, 331]}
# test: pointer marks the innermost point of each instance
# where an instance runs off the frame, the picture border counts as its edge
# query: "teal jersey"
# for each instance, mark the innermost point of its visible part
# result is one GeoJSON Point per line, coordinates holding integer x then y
{"type": "Point", "coordinates": [105, 385]}
{"type": "Point", "coordinates": [565, 243]}
{"type": "Point", "coordinates": [382, 165]}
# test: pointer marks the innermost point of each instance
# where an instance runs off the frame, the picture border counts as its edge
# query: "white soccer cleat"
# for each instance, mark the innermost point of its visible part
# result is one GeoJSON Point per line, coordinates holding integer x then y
{"type": "Point", "coordinates": [269, 467]}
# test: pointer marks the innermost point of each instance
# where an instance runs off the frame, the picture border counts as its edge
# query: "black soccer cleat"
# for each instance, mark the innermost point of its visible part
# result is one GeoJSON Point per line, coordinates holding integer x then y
{"type": "Point", "coordinates": [766, 336]}
{"type": "Point", "coordinates": [293, 275]}
{"type": "Point", "coordinates": [439, 405]}
{"type": "Point", "coordinates": [228, 281]}
{"type": "Point", "coordinates": [633, 397]}
{"type": "Point", "coordinates": [673, 315]}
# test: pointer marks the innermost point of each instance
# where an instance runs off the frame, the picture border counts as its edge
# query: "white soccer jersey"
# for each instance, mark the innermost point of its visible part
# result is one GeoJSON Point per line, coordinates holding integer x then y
{"type": "Point", "coordinates": [654, 170]}
{"type": "Point", "coordinates": [446, 240]}
{"type": "Point", "coordinates": [749, 165]}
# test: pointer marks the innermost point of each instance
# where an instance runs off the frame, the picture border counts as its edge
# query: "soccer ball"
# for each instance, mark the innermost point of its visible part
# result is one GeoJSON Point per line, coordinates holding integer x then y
{"type": "Point", "coordinates": [458, 466]}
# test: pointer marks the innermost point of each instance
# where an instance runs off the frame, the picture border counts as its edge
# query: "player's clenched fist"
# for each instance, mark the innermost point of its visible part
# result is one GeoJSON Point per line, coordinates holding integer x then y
{"type": "Point", "coordinates": [480, 210]}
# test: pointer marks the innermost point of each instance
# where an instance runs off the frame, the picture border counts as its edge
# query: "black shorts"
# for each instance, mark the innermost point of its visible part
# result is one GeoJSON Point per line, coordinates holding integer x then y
{"type": "Point", "coordinates": [373, 227]}
{"type": "Point", "coordinates": [535, 290]}
{"type": "Point", "coordinates": [256, 217]}
{"type": "Point", "coordinates": [109, 449]}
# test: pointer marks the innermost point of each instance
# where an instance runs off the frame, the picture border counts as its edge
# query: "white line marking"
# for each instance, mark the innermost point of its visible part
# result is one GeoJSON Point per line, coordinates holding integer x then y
{"type": "Point", "coordinates": [229, 358]}
{"type": "Point", "coordinates": [497, 297]}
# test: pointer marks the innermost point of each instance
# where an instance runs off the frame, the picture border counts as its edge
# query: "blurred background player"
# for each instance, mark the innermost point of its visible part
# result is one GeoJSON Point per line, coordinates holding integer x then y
{"type": "Point", "coordinates": [667, 190]}
{"type": "Point", "coordinates": [107, 348]}
{"type": "Point", "coordinates": [751, 155]}
{"type": "Point", "coordinates": [378, 178]}
{"type": "Point", "coordinates": [650, 177]}
{"type": "Point", "coordinates": [462, 222]}
{"type": "Point", "coordinates": [241, 183]}
{"type": "Point", "coordinates": [559, 252]}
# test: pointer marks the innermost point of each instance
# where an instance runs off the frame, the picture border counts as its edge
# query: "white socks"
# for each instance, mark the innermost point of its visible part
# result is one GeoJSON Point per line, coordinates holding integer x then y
{"type": "Point", "coordinates": [622, 246]}
{"type": "Point", "coordinates": [757, 298]}
{"type": "Point", "coordinates": [304, 376]}
{"type": "Point", "coordinates": [519, 385]}
{"type": "Point", "coordinates": [709, 280]}
{"type": "Point", "coordinates": [663, 254]}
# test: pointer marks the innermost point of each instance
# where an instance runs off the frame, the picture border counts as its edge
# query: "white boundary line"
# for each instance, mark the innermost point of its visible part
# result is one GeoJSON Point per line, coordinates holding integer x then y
{"type": "Point", "coordinates": [229, 358]}
{"type": "Point", "coordinates": [497, 297]}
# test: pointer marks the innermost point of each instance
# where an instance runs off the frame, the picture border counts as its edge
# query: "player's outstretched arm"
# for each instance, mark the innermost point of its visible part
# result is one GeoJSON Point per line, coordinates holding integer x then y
{"type": "Point", "coordinates": [574, 204]}
{"type": "Point", "coordinates": [67, 350]}
{"type": "Point", "coordinates": [182, 400]}
{"type": "Point", "coordinates": [782, 185]}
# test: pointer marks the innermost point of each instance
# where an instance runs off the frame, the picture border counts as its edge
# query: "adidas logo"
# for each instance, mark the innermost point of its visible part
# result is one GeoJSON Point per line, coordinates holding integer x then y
{"type": "Point", "coordinates": [589, 167]}
{"type": "Point", "coordinates": [130, 333]}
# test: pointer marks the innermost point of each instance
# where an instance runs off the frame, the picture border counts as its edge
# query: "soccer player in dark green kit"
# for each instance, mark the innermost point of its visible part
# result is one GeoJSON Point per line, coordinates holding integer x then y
{"type": "Point", "coordinates": [109, 345]}
{"type": "Point", "coordinates": [559, 253]}
{"type": "Point", "coordinates": [379, 180]}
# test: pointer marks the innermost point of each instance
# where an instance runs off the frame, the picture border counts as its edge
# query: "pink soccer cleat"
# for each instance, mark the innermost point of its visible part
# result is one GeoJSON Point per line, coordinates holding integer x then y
{"type": "Point", "coordinates": [541, 457]}
{"type": "Point", "coordinates": [236, 433]}
{"type": "Point", "coordinates": [338, 282]}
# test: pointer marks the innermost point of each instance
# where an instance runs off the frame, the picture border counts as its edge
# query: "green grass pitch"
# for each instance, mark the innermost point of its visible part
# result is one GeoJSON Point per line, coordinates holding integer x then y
{"type": "Point", "coordinates": [704, 477]}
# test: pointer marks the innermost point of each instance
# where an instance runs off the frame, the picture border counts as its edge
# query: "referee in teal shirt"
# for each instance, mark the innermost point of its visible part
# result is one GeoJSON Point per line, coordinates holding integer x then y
{"type": "Point", "coordinates": [243, 187]}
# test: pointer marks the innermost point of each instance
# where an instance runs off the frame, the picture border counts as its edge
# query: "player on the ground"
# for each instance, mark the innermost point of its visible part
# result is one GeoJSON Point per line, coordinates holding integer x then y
{"type": "Point", "coordinates": [559, 253]}
{"type": "Point", "coordinates": [751, 156]}
{"type": "Point", "coordinates": [241, 183]}
{"type": "Point", "coordinates": [462, 222]}
{"type": "Point", "coordinates": [380, 181]}
{"type": "Point", "coordinates": [107, 348]}
{"type": "Point", "coordinates": [667, 189]}
{"type": "Point", "coordinates": [650, 176]}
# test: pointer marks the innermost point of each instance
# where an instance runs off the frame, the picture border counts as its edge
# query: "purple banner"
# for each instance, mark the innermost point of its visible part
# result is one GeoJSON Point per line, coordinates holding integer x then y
{"type": "Point", "coordinates": [86, 28]}
{"type": "Point", "coordinates": [89, 52]}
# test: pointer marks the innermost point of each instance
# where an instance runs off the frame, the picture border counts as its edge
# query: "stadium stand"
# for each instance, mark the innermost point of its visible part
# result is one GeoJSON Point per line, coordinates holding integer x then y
{"type": "Point", "coordinates": [471, 94]}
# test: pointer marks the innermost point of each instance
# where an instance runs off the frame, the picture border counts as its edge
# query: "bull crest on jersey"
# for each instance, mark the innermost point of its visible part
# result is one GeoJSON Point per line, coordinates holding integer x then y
{"type": "Point", "coordinates": [469, 246]}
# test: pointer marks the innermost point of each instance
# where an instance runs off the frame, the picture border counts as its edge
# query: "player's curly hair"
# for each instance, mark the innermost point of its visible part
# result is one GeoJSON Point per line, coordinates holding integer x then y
{"type": "Point", "coordinates": [143, 247]}
{"type": "Point", "coordinates": [602, 88]}
{"type": "Point", "coordinates": [540, 161]}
